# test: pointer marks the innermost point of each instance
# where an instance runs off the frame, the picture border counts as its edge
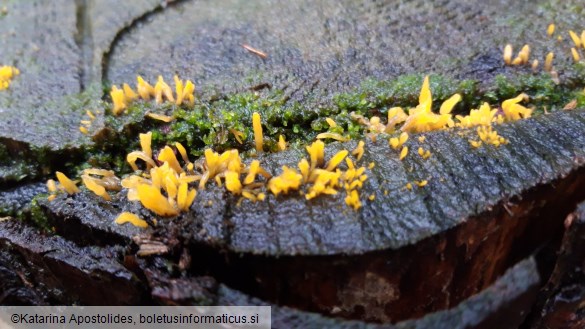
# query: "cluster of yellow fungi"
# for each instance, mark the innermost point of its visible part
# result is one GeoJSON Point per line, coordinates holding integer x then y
{"type": "Point", "coordinates": [7, 73]}
{"type": "Point", "coordinates": [523, 56]}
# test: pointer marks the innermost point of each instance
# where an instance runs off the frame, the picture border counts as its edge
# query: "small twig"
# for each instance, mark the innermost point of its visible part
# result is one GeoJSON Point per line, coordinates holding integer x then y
{"type": "Point", "coordinates": [255, 51]}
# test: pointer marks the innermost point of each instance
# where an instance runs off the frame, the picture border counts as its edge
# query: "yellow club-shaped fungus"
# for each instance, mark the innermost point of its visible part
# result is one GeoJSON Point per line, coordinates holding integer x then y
{"type": "Point", "coordinates": [449, 104]}
{"type": "Point", "coordinates": [184, 91]}
{"type": "Point", "coordinates": [118, 100]}
{"type": "Point", "coordinates": [83, 130]}
{"type": "Point", "coordinates": [514, 111]}
{"type": "Point", "coordinates": [508, 54]}
{"type": "Point", "coordinates": [334, 136]}
{"type": "Point", "coordinates": [421, 183]}
{"type": "Point", "coordinates": [257, 127]}
{"type": "Point", "coordinates": [167, 155]}
{"type": "Point", "coordinates": [129, 94]}
{"type": "Point", "coordinates": [7, 73]}
{"type": "Point", "coordinates": [145, 90]}
{"type": "Point", "coordinates": [403, 152]}
{"type": "Point", "coordinates": [281, 143]}
{"type": "Point", "coordinates": [331, 122]}
{"type": "Point", "coordinates": [424, 154]}
{"type": "Point", "coordinates": [421, 118]}
{"type": "Point", "coordinates": [290, 179]}
{"type": "Point", "coordinates": [160, 117]}
{"type": "Point", "coordinates": [145, 143]}
{"type": "Point", "coordinates": [353, 200]}
{"type": "Point", "coordinates": [550, 30]}
{"type": "Point", "coordinates": [133, 156]}
{"type": "Point", "coordinates": [316, 154]}
{"type": "Point", "coordinates": [93, 185]}
{"type": "Point", "coordinates": [161, 88]}
{"type": "Point", "coordinates": [358, 152]}
{"type": "Point", "coordinates": [66, 183]}
{"type": "Point", "coordinates": [254, 170]}
{"type": "Point", "coordinates": [548, 61]}
{"type": "Point", "coordinates": [127, 217]}
{"type": "Point", "coordinates": [336, 160]}
{"type": "Point", "coordinates": [232, 182]}
{"type": "Point", "coordinates": [575, 53]}
{"type": "Point", "coordinates": [152, 199]}
{"type": "Point", "coordinates": [575, 38]}
{"type": "Point", "coordinates": [185, 197]}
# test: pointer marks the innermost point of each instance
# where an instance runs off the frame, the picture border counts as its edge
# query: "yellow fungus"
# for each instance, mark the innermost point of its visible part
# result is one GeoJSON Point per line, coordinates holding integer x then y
{"type": "Point", "coordinates": [421, 139]}
{"type": "Point", "coordinates": [257, 126]}
{"type": "Point", "coordinates": [90, 114]}
{"type": "Point", "coordinates": [67, 183]}
{"type": "Point", "coordinates": [372, 197]}
{"type": "Point", "coordinates": [145, 90]}
{"type": "Point", "coordinates": [96, 188]}
{"type": "Point", "coordinates": [475, 144]}
{"type": "Point", "coordinates": [524, 54]}
{"type": "Point", "coordinates": [290, 179]}
{"type": "Point", "coordinates": [127, 217]}
{"type": "Point", "coordinates": [118, 100]}
{"type": "Point", "coordinates": [448, 105]}
{"type": "Point", "coordinates": [304, 168]}
{"type": "Point", "coordinates": [182, 152]}
{"type": "Point", "coordinates": [331, 123]}
{"type": "Point", "coordinates": [7, 73]}
{"type": "Point", "coordinates": [371, 165]}
{"type": "Point", "coordinates": [188, 91]}
{"type": "Point", "coordinates": [178, 89]}
{"type": "Point", "coordinates": [83, 130]}
{"type": "Point", "coordinates": [159, 117]}
{"type": "Point", "coordinates": [281, 143]}
{"type": "Point", "coordinates": [396, 116]}
{"type": "Point", "coordinates": [550, 30]}
{"type": "Point", "coordinates": [403, 152]}
{"type": "Point", "coordinates": [335, 136]}
{"type": "Point", "coordinates": [575, 54]}
{"type": "Point", "coordinates": [358, 152]}
{"type": "Point", "coordinates": [51, 197]}
{"type": "Point", "coordinates": [238, 135]}
{"type": "Point", "coordinates": [535, 65]}
{"type": "Point", "coordinates": [85, 122]}
{"type": "Point", "coordinates": [153, 200]}
{"type": "Point", "coordinates": [508, 54]}
{"type": "Point", "coordinates": [145, 143]}
{"type": "Point", "coordinates": [51, 185]}
{"type": "Point", "coordinates": [514, 111]}
{"type": "Point", "coordinates": [424, 154]}
{"type": "Point", "coordinates": [353, 199]}
{"type": "Point", "coordinates": [185, 197]}
{"type": "Point", "coordinates": [517, 61]}
{"type": "Point", "coordinates": [167, 155]}
{"type": "Point", "coordinates": [316, 153]}
{"type": "Point", "coordinates": [548, 61]}
{"type": "Point", "coordinates": [421, 183]}
{"type": "Point", "coordinates": [232, 182]}
{"type": "Point", "coordinates": [133, 156]}
{"type": "Point", "coordinates": [336, 160]}
{"type": "Point", "coordinates": [129, 94]}
{"type": "Point", "coordinates": [575, 38]}
{"type": "Point", "coordinates": [161, 88]}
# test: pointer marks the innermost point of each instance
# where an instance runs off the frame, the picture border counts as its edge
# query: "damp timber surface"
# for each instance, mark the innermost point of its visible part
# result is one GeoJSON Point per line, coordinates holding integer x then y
{"type": "Point", "coordinates": [325, 59]}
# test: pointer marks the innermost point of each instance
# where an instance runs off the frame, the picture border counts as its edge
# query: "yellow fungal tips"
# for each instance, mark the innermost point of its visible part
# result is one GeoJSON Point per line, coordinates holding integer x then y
{"type": "Point", "coordinates": [421, 139]}
{"type": "Point", "coordinates": [127, 217]}
{"type": "Point", "coordinates": [490, 136]}
{"type": "Point", "coordinates": [336, 160]}
{"type": "Point", "coordinates": [160, 117]}
{"type": "Point", "coordinates": [152, 199]}
{"type": "Point", "coordinates": [514, 111]}
{"type": "Point", "coordinates": [331, 123]}
{"type": "Point", "coordinates": [550, 30]}
{"type": "Point", "coordinates": [421, 183]}
{"type": "Point", "coordinates": [7, 73]}
{"type": "Point", "coordinates": [408, 186]}
{"type": "Point", "coordinates": [145, 90]}
{"type": "Point", "coordinates": [524, 54]}
{"type": "Point", "coordinates": [93, 185]}
{"type": "Point", "coordinates": [508, 54]}
{"type": "Point", "coordinates": [397, 142]}
{"type": "Point", "coordinates": [145, 143]}
{"type": "Point", "coordinates": [353, 200]}
{"type": "Point", "coordinates": [185, 197]}
{"type": "Point", "coordinates": [425, 99]}
{"type": "Point", "coordinates": [449, 104]}
{"type": "Point", "coordinates": [535, 65]}
{"type": "Point", "coordinates": [575, 38]}
{"type": "Point", "coordinates": [232, 182]}
{"type": "Point", "coordinates": [424, 154]}
{"type": "Point", "coordinates": [184, 91]}
{"type": "Point", "coordinates": [161, 88]}
{"type": "Point", "coordinates": [290, 179]}
{"type": "Point", "coordinates": [167, 155]}
{"type": "Point", "coordinates": [129, 94]}
{"type": "Point", "coordinates": [372, 197]}
{"type": "Point", "coordinates": [575, 54]}
{"type": "Point", "coordinates": [66, 183]}
{"type": "Point", "coordinates": [403, 153]}
{"type": "Point", "coordinates": [358, 152]}
{"type": "Point", "coordinates": [548, 61]}
{"type": "Point", "coordinates": [133, 156]}
{"type": "Point", "coordinates": [118, 99]}
{"type": "Point", "coordinates": [257, 126]}
{"type": "Point", "coordinates": [475, 144]}
{"type": "Point", "coordinates": [316, 153]}
{"type": "Point", "coordinates": [335, 136]}
{"type": "Point", "coordinates": [281, 143]}
{"type": "Point", "coordinates": [83, 130]}
{"type": "Point", "coordinates": [182, 152]}
{"type": "Point", "coordinates": [51, 185]}
{"type": "Point", "coordinates": [238, 135]}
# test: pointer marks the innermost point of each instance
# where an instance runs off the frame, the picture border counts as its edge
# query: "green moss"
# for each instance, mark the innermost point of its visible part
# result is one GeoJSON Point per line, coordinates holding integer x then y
{"type": "Point", "coordinates": [36, 214]}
